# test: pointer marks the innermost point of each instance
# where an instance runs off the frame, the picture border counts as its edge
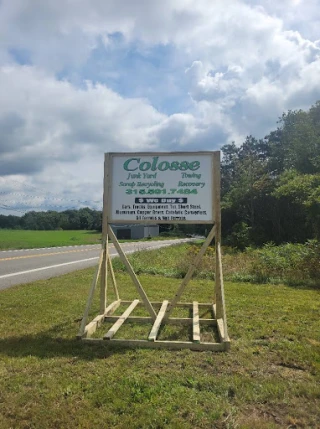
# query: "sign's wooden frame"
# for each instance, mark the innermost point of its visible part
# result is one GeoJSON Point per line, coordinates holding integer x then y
{"type": "Point", "coordinates": [159, 312]}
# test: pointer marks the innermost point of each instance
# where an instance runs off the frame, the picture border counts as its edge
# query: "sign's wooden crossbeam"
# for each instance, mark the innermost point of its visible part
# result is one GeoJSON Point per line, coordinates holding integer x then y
{"type": "Point", "coordinates": [160, 313]}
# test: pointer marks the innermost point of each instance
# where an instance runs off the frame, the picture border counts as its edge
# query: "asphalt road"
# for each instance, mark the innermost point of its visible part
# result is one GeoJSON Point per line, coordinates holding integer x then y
{"type": "Point", "coordinates": [29, 265]}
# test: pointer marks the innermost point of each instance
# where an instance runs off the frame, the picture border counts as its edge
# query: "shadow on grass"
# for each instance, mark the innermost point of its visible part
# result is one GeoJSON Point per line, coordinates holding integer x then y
{"type": "Point", "coordinates": [45, 346]}
{"type": "Point", "coordinates": [54, 343]}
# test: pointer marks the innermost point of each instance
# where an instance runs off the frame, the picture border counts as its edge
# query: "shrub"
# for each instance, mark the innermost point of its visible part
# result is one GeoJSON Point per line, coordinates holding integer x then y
{"type": "Point", "coordinates": [288, 263]}
{"type": "Point", "coordinates": [291, 263]}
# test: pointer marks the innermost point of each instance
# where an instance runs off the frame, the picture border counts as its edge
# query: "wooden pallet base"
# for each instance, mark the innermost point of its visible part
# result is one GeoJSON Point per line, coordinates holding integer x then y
{"type": "Point", "coordinates": [151, 341]}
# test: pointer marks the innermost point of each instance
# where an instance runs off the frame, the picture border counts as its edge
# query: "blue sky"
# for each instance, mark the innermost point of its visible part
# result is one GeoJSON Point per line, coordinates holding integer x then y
{"type": "Point", "coordinates": [136, 71]}
{"type": "Point", "coordinates": [78, 79]}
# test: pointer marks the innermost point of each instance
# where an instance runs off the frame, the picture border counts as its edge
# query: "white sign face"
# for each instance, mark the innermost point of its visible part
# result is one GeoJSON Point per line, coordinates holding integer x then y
{"type": "Point", "coordinates": [161, 188]}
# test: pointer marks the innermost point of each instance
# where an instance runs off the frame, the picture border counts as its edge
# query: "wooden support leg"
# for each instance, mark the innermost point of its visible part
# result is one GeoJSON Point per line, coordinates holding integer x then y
{"type": "Point", "coordinates": [219, 286]}
{"type": "Point", "coordinates": [104, 278]}
{"type": "Point", "coordinates": [220, 302]}
{"type": "Point", "coordinates": [90, 297]}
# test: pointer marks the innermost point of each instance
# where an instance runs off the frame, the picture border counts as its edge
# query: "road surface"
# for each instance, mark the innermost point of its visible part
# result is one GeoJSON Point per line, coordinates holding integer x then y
{"type": "Point", "coordinates": [29, 265]}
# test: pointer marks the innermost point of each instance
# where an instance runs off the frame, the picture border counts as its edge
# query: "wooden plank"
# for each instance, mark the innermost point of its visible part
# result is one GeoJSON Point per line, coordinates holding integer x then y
{"type": "Point", "coordinates": [220, 312]}
{"type": "Point", "coordinates": [214, 311]}
{"type": "Point", "coordinates": [217, 220]}
{"type": "Point", "coordinates": [106, 196]}
{"type": "Point", "coordinates": [92, 326]}
{"type": "Point", "coordinates": [104, 279]}
{"type": "Point", "coordinates": [104, 243]}
{"type": "Point", "coordinates": [90, 297]}
{"type": "Point", "coordinates": [132, 274]}
{"type": "Point", "coordinates": [178, 304]}
{"type": "Point", "coordinates": [171, 345]}
{"type": "Point", "coordinates": [220, 326]}
{"type": "Point", "coordinates": [97, 321]}
{"type": "Point", "coordinates": [222, 334]}
{"type": "Point", "coordinates": [134, 319]}
{"type": "Point", "coordinates": [114, 328]}
{"type": "Point", "coordinates": [196, 323]}
{"type": "Point", "coordinates": [157, 323]}
{"type": "Point", "coordinates": [220, 309]}
{"type": "Point", "coordinates": [113, 277]}
{"type": "Point", "coordinates": [190, 272]}
{"type": "Point", "coordinates": [112, 307]}
{"type": "Point", "coordinates": [218, 284]}
{"type": "Point", "coordinates": [172, 321]}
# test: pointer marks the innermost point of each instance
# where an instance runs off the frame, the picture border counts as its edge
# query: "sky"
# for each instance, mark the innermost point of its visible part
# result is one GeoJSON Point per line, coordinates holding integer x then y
{"type": "Point", "coordinates": [80, 78]}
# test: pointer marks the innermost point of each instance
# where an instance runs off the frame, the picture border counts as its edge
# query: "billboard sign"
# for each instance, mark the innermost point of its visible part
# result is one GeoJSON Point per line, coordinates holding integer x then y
{"type": "Point", "coordinates": [175, 187]}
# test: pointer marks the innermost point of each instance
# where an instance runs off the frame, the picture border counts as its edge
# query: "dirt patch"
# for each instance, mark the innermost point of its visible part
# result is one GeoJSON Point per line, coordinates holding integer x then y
{"type": "Point", "coordinates": [265, 416]}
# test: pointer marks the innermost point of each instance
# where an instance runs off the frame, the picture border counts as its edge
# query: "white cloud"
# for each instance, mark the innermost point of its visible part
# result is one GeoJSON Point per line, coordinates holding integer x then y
{"type": "Point", "coordinates": [241, 66]}
{"type": "Point", "coordinates": [56, 134]}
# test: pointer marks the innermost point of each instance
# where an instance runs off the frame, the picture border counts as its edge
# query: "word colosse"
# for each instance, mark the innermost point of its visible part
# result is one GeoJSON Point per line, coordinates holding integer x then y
{"type": "Point", "coordinates": [133, 164]}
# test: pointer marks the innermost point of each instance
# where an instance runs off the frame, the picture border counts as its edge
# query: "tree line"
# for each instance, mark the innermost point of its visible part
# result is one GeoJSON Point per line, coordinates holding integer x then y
{"type": "Point", "coordinates": [84, 218]}
{"type": "Point", "coordinates": [270, 189]}
{"type": "Point", "coordinates": [271, 186]}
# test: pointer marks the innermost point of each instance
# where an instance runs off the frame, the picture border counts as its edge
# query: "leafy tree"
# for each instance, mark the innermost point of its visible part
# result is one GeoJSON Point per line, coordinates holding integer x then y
{"type": "Point", "coordinates": [10, 221]}
{"type": "Point", "coordinates": [302, 191]}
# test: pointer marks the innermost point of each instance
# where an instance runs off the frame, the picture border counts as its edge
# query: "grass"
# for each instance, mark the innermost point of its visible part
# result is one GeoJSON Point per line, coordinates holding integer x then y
{"type": "Point", "coordinates": [175, 262]}
{"type": "Point", "coordinates": [269, 379]}
{"type": "Point", "coordinates": [165, 262]}
{"type": "Point", "coordinates": [23, 239]}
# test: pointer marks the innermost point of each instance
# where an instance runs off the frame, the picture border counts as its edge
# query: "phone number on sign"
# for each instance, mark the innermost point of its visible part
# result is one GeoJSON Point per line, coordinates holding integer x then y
{"type": "Point", "coordinates": [160, 191]}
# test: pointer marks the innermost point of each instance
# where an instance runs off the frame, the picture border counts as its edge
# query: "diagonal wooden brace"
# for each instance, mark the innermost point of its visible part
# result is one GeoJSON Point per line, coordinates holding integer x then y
{"type": "Point", "coordinates": [132, 274]}
{"type": "Point", "coordinates": [114, 282]}
{"type": "Point", "coordinates": [189, 274]}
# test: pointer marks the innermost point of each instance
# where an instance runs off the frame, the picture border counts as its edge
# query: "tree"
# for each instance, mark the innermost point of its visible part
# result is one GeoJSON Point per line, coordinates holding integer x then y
{"type": "Point", "coordinates": [247, 189]}
{"type": "Point", "coordinates": [302, 191]}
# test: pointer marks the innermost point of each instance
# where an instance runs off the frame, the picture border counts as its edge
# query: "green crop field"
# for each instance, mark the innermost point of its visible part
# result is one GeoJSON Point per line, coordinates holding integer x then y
{"type": "Point", "coordinates": [23, 239]}
{"type": "Point", "coordinates": [269, 379]}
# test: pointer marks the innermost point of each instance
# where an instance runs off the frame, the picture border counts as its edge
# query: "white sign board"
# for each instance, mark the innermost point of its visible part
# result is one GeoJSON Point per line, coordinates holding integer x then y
{"type": "Point", "coordinates": [170, 187]}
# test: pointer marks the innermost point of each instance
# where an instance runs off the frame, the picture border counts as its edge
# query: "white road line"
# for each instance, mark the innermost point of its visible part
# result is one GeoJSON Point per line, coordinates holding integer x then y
{"type": "Point", "coordinates": [55, 266]}
{"type": "Point", "coordinates": [46, 268]}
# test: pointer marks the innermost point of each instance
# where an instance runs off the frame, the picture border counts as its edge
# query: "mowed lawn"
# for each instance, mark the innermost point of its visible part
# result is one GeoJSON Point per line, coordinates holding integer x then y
{"type": "Point", "coordinates": [23, 239]}
{"type": "Point", "coordinates": [269, 379]}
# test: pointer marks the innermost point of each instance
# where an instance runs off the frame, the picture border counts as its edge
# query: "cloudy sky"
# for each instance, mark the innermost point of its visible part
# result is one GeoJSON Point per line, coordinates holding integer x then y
{"type": "Point", "coordinates": [79, 78]}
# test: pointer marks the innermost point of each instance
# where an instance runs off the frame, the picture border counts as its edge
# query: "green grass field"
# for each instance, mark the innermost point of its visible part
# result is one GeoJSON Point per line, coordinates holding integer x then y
{"type": "Point", "coordinates": [269, 379]}
{"type": "Point", "coordinates": [22, 239]}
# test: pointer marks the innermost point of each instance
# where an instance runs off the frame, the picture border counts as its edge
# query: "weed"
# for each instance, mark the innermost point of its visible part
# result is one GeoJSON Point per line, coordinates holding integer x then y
{"type": "Point", "coordinates": [293, 264]}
